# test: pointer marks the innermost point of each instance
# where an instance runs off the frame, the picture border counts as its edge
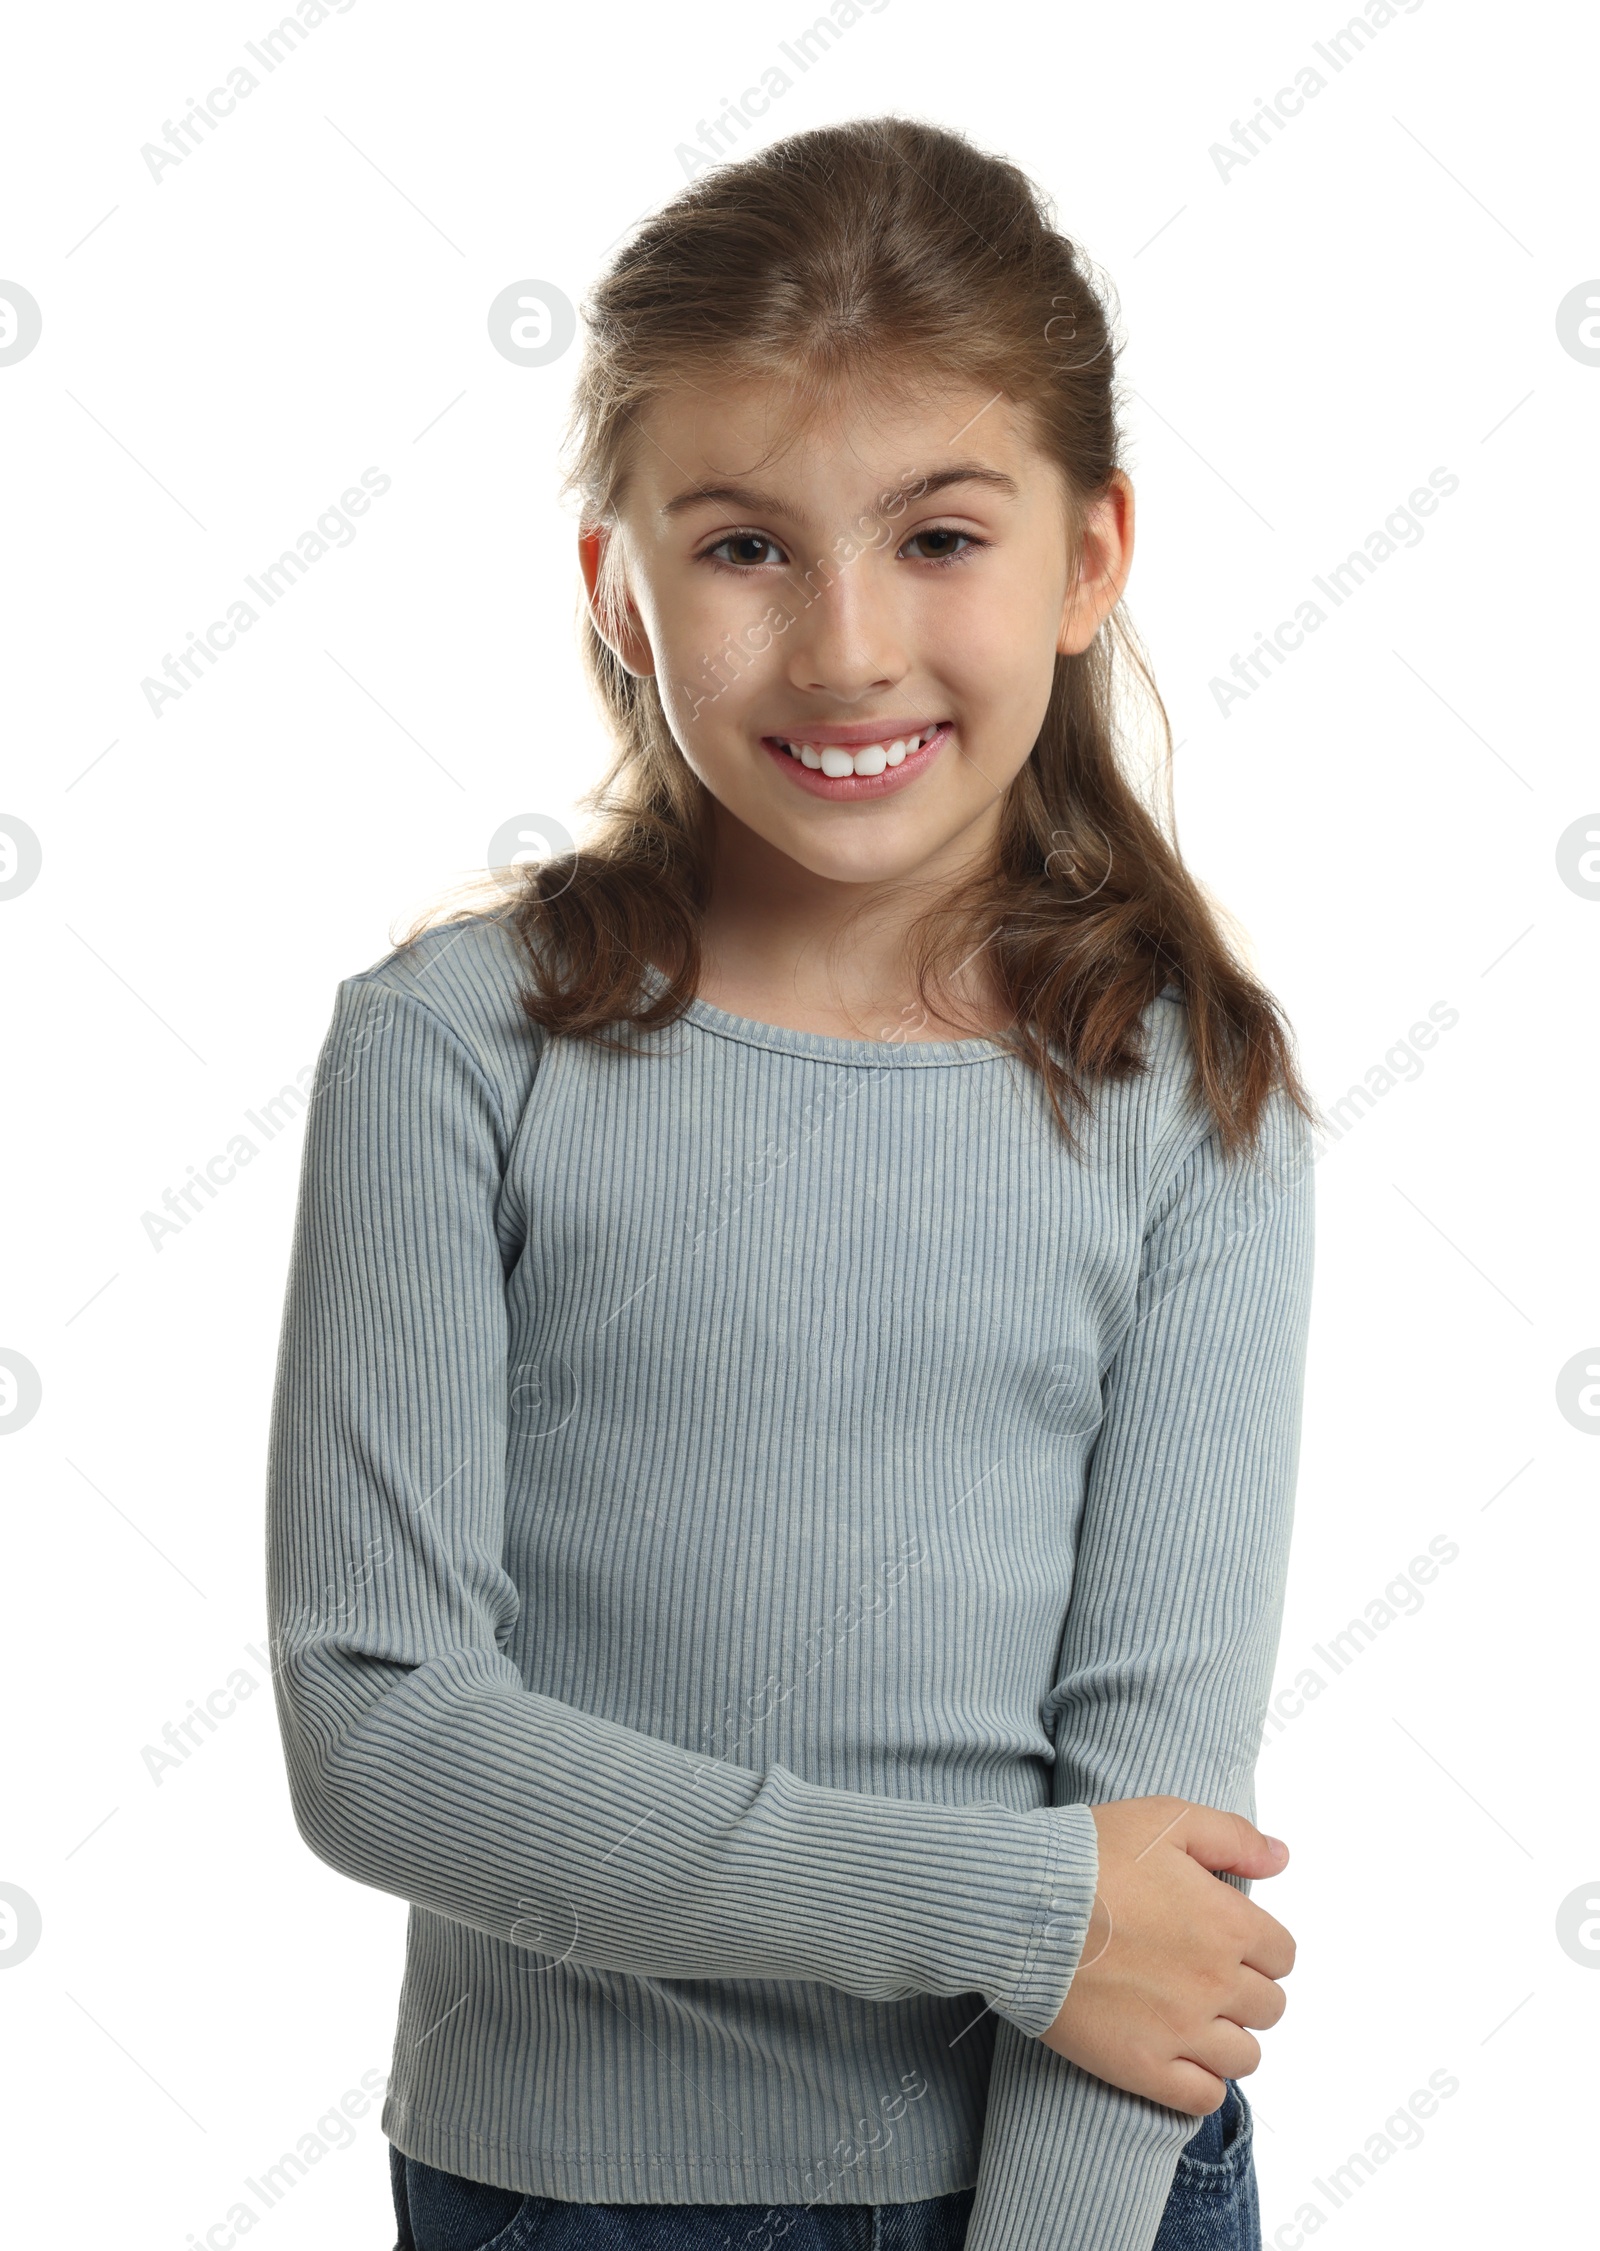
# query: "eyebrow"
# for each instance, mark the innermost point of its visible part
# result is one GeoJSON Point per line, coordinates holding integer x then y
{"type": "Point", "coordinates": [768, 504]}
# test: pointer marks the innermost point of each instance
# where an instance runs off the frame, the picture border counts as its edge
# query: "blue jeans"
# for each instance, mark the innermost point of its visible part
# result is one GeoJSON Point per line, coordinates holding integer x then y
{"type": "Point", "coordinates": [1213, 2207]}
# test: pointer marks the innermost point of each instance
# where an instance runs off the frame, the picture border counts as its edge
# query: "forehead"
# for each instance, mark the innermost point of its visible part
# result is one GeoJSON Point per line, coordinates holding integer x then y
{"type": "Point", "coordinates": [865, 431]}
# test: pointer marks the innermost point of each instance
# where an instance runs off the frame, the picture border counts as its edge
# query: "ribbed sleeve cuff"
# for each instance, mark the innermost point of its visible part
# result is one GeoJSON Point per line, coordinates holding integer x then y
{"type": "Point", "coordinates": [1072, 1870]}
{"type": "Point", "coordinates": [1070, 2163]}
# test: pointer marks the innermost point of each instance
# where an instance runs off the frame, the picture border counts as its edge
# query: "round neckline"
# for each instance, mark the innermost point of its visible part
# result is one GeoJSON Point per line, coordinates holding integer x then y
{"type": "Point", "coordinates": [787, 1039]}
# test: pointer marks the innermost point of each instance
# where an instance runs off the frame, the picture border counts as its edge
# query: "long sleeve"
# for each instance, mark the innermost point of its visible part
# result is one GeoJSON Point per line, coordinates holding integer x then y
{"type": "Point", "coordinates": [419, 1761]}
{"type": "Point", "coordinates": [1172, 1631]}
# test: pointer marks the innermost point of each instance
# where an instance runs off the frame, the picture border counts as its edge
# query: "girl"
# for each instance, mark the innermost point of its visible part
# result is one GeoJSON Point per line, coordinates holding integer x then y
{"type": "Point", "coordinates": [788, 1407]}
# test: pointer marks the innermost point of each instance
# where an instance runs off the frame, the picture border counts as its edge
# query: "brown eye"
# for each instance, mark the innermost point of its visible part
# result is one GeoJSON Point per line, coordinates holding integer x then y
{"type": "Point", "coordinates": [745, 549]}
{"type": "Point", "coordinates": [943, 549]}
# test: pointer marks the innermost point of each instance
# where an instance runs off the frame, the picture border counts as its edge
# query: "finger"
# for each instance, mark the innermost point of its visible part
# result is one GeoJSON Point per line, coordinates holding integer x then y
{"type": "Point", "coordinates": [1189, 2086]}
{"type": "Point", "coordinates": [1259, 2002]}
{"type": "Point", "coordinates": [1226, 2049]}
{"type": "Point", "coordinates": [1221, 1840]}
{"type": "Point", "coordinates": [1268, 1947]}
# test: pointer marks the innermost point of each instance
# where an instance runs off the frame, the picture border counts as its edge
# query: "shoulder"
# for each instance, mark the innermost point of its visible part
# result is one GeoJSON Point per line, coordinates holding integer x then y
{"type": "Point", "coordinates": [1170, 1114]}
{"type": "Point", "coordinates": [466, 977]}
{"type": "Point", "coordinates": [1180, 1127]}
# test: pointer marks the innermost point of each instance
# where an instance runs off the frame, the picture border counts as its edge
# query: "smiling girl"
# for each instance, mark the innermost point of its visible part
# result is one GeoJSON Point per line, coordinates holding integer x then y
{"type": "Point", "coordinates": [787, 1416]}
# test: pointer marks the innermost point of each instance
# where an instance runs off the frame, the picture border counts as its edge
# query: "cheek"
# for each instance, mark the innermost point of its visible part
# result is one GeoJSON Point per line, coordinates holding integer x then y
{"type": "Point", "coordinates": [692, 622]}
{"type": "Point", "coordinates": [995, 649]}
{"type": "Point", "coordinates": [668, 619]}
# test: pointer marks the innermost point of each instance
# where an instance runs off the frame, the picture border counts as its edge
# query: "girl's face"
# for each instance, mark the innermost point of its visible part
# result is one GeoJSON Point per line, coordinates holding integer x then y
{"type": "Point", "coordinates": [854, 627]}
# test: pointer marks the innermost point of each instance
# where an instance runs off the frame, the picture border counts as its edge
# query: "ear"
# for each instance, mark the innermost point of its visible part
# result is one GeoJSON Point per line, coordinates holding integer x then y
{"type": "Point", "coordinates": [1104, 566]}
{"type": "Point", "coordinates": [623, 635]}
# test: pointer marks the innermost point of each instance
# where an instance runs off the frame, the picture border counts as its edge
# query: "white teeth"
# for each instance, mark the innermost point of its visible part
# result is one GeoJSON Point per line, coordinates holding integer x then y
{"type": "Point", "coordinates": [871, 758]}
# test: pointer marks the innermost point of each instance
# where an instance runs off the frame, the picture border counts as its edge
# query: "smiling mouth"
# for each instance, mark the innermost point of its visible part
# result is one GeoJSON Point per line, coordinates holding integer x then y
{"type": "Point", "coordinates": [832, 760]}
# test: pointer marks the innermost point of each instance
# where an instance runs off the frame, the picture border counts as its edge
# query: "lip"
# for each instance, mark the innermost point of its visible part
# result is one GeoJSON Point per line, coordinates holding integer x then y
{"type": "Point", "coordinates": [849, 788]}
{"type": "Point", "coordinates": [857, 735]}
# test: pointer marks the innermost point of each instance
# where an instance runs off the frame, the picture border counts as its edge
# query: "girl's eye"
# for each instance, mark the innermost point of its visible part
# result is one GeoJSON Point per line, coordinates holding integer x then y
{"type": "Point", "coordinates": [944, 554]}
{"type": "Point", "coordinates": [742, 540]}
{"type": "Point", "coordinates": [752, 550]}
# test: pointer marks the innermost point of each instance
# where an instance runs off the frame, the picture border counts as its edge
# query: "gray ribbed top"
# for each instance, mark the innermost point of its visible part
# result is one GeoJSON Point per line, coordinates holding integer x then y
{"type": "Point", "coordinates": [733, 1506]}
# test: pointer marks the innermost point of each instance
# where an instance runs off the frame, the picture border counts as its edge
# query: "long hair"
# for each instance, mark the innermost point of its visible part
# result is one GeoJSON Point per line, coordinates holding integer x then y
{"type": "Point", "coordinates": [836, 254]}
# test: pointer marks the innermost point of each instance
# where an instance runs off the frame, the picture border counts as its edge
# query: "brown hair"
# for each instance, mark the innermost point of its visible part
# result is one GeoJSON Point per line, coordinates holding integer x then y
{"type": "Point", "coordinates": [829, 254]}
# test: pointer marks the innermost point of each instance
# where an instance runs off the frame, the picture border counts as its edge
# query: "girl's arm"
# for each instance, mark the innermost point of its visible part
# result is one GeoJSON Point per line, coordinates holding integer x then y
{"type": "Point", "coordinates": [418, 1760]}
{"type": "Point", "coordinates": [1172, 1633]}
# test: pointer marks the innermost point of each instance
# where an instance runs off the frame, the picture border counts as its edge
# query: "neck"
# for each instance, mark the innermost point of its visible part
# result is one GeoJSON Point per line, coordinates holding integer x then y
{"type": "Point", "coordinates": [783, 944]}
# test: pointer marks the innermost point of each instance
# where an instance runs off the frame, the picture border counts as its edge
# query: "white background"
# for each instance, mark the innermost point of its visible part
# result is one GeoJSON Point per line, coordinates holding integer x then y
{"type": "Point", "coordinates": [222, 354]}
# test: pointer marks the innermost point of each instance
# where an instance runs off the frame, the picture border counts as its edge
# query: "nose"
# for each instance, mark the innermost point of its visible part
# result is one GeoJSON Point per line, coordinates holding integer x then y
{"type": "Point", "coordinates": [847, 641]}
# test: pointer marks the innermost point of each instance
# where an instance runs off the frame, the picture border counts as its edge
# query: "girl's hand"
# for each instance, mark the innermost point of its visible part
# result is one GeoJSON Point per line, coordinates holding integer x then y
{"type": "Point", "coordinates": [1176, 1964]}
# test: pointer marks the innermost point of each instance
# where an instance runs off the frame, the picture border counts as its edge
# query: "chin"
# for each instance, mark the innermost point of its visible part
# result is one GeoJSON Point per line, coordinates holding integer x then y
{"type": "Point", "coordinates": [878, 859]}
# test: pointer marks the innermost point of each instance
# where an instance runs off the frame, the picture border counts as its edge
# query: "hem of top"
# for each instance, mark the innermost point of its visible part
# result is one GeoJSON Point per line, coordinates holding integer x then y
{"type": "Point", "coordinates": [636, 2178]}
